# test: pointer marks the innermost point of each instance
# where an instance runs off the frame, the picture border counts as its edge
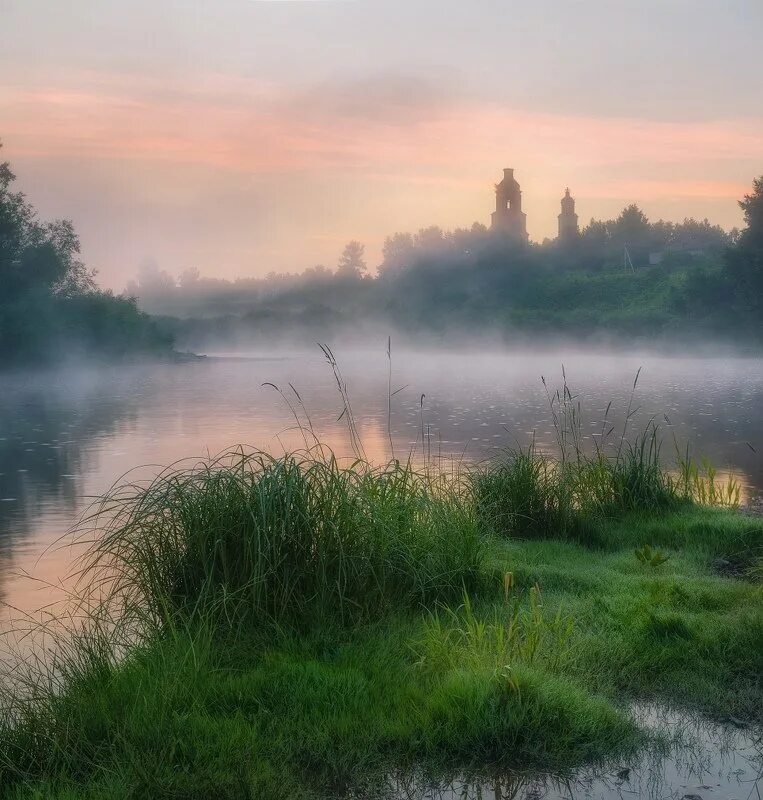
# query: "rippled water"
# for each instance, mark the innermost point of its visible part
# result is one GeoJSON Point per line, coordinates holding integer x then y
{"type": "Point", "coordinates": [67, 436]}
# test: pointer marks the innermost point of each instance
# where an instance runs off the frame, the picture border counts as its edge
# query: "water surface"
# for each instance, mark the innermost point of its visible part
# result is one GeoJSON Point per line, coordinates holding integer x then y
{"type": "Point", "coordinates": [699, 760]}
{"type": "Point", "coordinates": [66, 436]}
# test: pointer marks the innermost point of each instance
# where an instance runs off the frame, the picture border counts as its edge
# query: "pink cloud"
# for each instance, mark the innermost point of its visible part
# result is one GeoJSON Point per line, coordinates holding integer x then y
{"type": "Point", "coordinates": [348, 161]}
{"type": "Point", "coordinates": [228, 127]}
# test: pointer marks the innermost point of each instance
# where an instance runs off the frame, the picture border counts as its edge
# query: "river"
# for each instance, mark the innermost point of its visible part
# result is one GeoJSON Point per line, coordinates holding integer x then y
{"type": "Point", "coordinates": [68, 435]}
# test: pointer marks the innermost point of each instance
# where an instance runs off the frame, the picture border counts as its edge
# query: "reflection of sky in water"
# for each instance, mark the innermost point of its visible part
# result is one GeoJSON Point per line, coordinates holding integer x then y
{"type": "Point", "coordinates": [67, 437]}
{"type": "Point", "coordinates": [703, 760]}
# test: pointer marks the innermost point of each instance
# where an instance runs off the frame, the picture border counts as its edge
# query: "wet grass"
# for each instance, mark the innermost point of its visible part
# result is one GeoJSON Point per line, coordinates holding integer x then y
{"type": "Point", "coordinates": [248, 538]}
{"type": "Point", "coordinates": [277, 627]}
{"type": "Point", "coordinates": [570, 494]}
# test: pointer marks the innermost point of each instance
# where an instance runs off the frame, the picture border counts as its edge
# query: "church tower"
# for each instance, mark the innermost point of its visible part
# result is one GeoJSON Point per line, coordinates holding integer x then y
{"type": "Point", "coordinates": [508, 214]}
{"type": "Point", "coordinates": [568, 219]}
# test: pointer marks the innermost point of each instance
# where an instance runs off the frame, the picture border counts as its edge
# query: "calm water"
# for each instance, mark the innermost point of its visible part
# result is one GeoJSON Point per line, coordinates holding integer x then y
{"type": "Point", "coordinates": [67, 436]}
{"type": "Point", "coordinates": [701, 760]}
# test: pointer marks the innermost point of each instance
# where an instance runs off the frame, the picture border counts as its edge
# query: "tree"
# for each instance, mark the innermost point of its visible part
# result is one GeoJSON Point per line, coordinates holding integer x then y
{"type": "Point", "coordinates": [16, 217]}
{"type": "Point", "coordinates": [744, 261]}
{"type": "Point", "coordinates": [431, 238]}
{"type": "Point", "coordinates": [152, 280]}
{"type": "Point", "coordinates": [752, 206]}
{"type": "Point", "coordinates": [664, 234]}
{"type": "Point", "coordinates": [36, 257]}
{"type": "Point", "coordinates": [632, 230]}
{"type": "Point", "coordinates": [317, 274]}
{"type": "Point", "coordinates": [351, 262]}
{"type": "Point", "coordinates": [189, 278]}
{"type": "Point", "coordinates": [397, 252]}
{"type": "Point", "coordinates": [465, 240]}
{"type": "Point", "coordinates": [594, 243]}
{"type": "Point", "coordinates": [693, 235]}
{"type": "Point", "coordinates": [49, 306]}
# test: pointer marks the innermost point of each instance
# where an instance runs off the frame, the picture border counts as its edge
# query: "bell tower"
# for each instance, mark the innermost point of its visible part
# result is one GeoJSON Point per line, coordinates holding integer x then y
{"type": "Point", "coordinates": [508, 215]}
{"type": "Point", "coordinates": [568, 219]}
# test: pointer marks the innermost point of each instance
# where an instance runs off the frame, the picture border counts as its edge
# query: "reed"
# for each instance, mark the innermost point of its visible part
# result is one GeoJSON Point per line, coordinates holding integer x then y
{"type": "Point", "coordinates": [250, 537]}
{"type": "Point", "coordinates": [525, 493]}
{"type": "Point", "coordinates": [530, 494]}
{"type": "Point", "coordinates": [565, 494]}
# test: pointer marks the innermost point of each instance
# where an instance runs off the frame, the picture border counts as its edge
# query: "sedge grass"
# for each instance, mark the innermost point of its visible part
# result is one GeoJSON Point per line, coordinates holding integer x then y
{"type": "Point", "coordinates": [251, 538]}
{"type": "Point", "coordinates": [526, 672]}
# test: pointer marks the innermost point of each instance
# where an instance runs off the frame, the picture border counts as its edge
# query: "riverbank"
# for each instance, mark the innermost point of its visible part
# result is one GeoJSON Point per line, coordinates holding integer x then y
{"type": "Point", "coordinates": [287, 627]}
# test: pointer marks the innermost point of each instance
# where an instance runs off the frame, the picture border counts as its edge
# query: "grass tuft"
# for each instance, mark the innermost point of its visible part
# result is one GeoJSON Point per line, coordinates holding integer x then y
{"type": "Point", "coordinates": [248, 538]}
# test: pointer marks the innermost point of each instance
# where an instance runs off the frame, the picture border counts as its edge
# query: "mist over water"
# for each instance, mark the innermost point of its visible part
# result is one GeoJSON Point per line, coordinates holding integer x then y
{"type": "Point", "coordinates": [67, 436]}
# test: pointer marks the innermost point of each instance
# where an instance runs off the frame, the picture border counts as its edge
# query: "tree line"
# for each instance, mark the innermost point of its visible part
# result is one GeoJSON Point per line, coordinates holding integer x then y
{"type": "Point", "coordinates": [708, 282]}
{"type": "Point", "coordinates": [626, 276]}
{"type": "Point", "coordinates": [50, 307]}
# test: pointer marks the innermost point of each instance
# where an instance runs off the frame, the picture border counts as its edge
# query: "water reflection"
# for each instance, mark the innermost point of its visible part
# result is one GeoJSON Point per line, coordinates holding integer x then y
{"type": "Point", "coordinates": [699, 760]}
{"type": "Point", "coordinates": [51, 428]}
{"type": "Point", "coordinates": [65, 437]}
{"type": "Point", "coordinates": [48, 424]}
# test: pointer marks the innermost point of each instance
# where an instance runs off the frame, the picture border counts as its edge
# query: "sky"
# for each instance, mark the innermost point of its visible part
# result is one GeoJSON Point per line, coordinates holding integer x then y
{"type": "Point", "coordinates": [242, 137]}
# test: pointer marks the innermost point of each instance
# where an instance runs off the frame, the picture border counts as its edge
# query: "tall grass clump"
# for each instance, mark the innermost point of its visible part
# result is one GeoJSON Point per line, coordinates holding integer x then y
{"type": "Point", "coordinates": [524, 494]}
{"type": "Point", "coordinates": [532, 494]}
{"type": "Point", "coordinates": [251, 537]}
{"type": "Point", "coordinates": [633, 478]}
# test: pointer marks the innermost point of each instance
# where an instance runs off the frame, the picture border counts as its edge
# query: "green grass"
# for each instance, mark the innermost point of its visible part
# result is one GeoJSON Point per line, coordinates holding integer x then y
{"type": "Point", "coordinates": [251, 538]}
{"type": "Point", "coordinates": [292, 627]}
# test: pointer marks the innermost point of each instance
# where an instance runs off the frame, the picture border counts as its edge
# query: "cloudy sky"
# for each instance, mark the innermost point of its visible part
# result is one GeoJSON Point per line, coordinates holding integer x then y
{"type": "Point", "coordinates": [241, 137]}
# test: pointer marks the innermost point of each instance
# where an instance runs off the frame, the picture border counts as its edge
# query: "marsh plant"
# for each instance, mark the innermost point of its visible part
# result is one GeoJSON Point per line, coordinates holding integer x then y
{"type": "Point", "coordinates": [521, 631]}
{"type": "Point", "coordinates": [700, 483]}
{"type": "Point", "coordinates": [252, 537]}
{"type": "Point", "coordinates": [648, 557]}
{"type": "Point", "coordinates": [532, 493]}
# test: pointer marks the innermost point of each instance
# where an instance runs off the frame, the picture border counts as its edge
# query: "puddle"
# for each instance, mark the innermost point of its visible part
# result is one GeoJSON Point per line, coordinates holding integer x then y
{"type": "Point", "coordinates": [696, 760]}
